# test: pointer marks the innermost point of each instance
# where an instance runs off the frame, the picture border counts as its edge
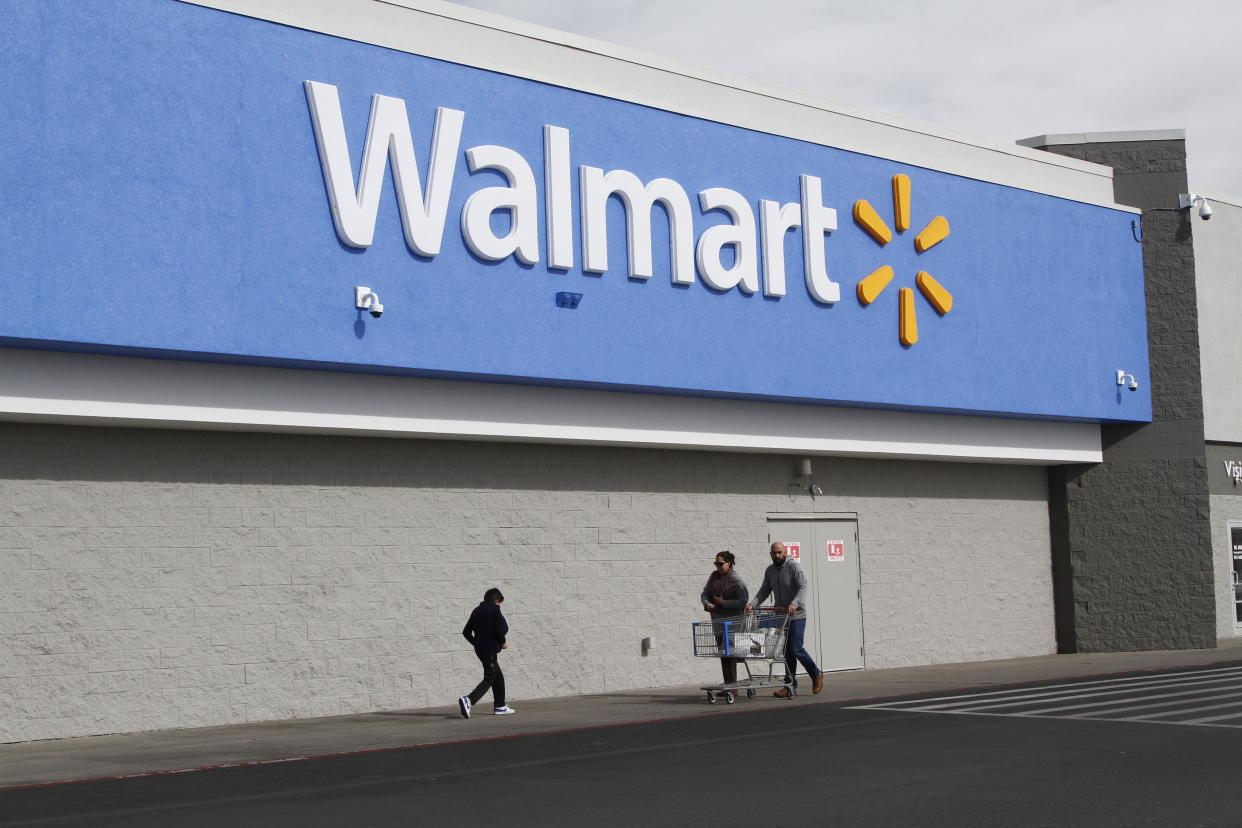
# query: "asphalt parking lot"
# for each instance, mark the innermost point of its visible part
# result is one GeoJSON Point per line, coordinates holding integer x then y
{"type": "Point", "coordinates": [1109, 735]}
{"type": "Point", "coordinates": [972, 756]}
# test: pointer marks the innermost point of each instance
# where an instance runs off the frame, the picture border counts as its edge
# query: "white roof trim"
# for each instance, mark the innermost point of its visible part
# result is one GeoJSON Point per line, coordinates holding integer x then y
{"type": "Point", "coordinates": [1104, 137]}
{"type": "Point", "coordinates": [87, 389]}
{"type": "Point", "coordinates": [472, 38]}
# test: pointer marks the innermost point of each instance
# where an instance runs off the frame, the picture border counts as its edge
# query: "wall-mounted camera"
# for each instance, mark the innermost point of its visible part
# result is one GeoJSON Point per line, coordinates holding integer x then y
{"type": "Point", "coordinates": [1195, 200]}
{"type": "Point", "coordinates": [368, 300]}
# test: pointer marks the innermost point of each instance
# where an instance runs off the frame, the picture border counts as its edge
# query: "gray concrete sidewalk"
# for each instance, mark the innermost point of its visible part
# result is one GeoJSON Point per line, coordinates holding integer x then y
{"type": "Point", "coordinates": [95, 757]}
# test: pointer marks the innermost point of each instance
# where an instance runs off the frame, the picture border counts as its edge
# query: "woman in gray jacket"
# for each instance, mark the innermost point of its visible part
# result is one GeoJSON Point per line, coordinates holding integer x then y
{"type": "Point", "coordinates": [724, 595]}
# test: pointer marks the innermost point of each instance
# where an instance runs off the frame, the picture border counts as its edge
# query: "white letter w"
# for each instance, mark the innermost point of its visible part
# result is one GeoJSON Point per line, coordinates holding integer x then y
{"type": "Point", "coordinates": [388, 136]}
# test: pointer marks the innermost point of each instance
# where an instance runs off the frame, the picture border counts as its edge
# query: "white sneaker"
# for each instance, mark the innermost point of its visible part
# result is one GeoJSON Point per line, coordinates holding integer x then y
{"type": "Point", "coordinates": [504, 711]}
{"type": "Point", "coordinates": [464, 704]}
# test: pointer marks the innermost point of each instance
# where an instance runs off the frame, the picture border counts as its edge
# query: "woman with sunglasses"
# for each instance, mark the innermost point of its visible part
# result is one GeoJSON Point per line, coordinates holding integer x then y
{"type": "Point", "coordinates": [725, 595]}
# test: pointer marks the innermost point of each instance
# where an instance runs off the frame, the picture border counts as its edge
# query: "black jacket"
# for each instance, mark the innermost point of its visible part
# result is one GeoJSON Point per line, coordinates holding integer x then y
{"type": "Point", "coordinates": [486, 628]}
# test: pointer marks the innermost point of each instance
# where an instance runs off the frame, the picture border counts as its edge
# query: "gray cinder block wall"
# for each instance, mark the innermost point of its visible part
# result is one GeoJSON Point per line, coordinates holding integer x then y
{"type": "Point", "coordinates": [162, 579]}
{"type": "Point", "coordinates": [1132, 545]}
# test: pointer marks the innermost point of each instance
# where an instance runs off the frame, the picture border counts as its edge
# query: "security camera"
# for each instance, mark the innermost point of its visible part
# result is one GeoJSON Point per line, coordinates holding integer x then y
{"type": "Point", "coordinates": [1185, 200]}
{"type": "Point", "coordinates": [1133, 384]}
{"type": "Point", "coordinates": [368, 300]}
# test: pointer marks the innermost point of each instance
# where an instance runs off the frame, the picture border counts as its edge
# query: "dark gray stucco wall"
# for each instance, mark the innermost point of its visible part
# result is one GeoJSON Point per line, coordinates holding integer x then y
{"type": "Point", "coordinates": [1131, 537]}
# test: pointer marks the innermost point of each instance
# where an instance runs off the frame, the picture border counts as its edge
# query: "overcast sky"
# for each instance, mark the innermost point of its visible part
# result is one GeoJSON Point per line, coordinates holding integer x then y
{"type": "Point", "coordinates": [998, 69]}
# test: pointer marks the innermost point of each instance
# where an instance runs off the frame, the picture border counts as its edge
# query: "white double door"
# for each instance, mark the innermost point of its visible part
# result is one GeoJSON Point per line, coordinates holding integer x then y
{"type": "Point", "coordinates": [827, 550]}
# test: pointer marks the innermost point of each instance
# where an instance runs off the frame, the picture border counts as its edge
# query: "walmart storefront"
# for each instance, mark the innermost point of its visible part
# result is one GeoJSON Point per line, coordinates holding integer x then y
{"type": "Point", "coordinates": [621, 302]}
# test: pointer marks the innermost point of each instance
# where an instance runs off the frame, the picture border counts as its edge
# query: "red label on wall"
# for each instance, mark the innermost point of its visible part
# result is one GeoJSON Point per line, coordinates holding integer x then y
{"type": "Point", "coordinates": [836, 550]}
{"type": "Point", "coordinates": [794, 548]}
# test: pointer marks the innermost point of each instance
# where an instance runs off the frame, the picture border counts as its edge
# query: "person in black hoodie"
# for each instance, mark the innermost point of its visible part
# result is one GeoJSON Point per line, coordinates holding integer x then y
{"type": "Point", "coordinates": [486, 631]}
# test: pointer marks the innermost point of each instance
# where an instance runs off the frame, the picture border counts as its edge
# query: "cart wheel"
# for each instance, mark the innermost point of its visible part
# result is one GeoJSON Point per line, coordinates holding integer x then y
{"type": "Point", "coordinates": [792, 694]}
{"type": "Point", "coordinates": [750, 694]}
{"type": "Point", "coordinates": [730, 697]}
{"type": "Point", "coordinates": [711, 697]}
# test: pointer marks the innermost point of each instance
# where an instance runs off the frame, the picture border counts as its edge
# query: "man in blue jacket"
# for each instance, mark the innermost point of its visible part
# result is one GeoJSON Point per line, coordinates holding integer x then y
{"type": "Point", "coordinates": [486, 631]}
{"type": "Point", "coordinates": [786, 583]}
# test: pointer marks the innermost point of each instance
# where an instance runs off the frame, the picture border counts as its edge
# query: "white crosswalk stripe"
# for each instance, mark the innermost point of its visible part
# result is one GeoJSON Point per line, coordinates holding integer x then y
{"type": "Point", "coordinates": [1166, 698]}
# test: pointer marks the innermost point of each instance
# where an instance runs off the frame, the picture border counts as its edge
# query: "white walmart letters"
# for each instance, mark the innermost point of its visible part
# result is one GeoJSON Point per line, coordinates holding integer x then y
{"type": "Point", "coordinates": [519, 199]}
{"type": "Point", "coordinates": [423, 213]}
{"type": "Point", "coordinates": [388, 135]}
{"type": "Point", "coordinates": [638, 200]}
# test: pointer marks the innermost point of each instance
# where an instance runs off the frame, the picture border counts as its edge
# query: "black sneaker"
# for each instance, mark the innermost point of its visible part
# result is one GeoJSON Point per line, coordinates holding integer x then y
{"type": "Point", "coordinates": [464, 704]}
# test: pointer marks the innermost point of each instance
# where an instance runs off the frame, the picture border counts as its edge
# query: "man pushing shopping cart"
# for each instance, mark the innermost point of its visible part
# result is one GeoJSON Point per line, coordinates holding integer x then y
{"type": "Point", "coordinates": [764, 634]}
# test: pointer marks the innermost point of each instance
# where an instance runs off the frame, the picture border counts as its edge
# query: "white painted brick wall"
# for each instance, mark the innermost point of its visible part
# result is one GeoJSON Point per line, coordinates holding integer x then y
{"type": "Point", "coordinates": [159, 579]}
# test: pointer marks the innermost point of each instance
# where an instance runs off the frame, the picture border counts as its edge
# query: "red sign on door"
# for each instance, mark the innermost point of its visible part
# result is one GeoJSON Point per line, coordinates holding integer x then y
{"type": "Point", "coordinates": [794, 549]}
{"type": "Point", "coordinates": [836, 550]}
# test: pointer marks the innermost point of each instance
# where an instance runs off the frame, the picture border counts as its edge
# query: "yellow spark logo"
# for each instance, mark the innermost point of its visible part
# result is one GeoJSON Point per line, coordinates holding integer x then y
{"type": "Point", "coordinates": [936, 231]}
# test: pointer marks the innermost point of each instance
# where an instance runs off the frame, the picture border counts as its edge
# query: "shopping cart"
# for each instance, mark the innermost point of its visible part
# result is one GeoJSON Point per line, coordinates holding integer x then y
{"type": "Point", "coordinates": [756, 637]}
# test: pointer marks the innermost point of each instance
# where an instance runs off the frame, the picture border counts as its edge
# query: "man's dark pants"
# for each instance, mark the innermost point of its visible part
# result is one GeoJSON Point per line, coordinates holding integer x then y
{"type": "Point", "coordinates": [493, 679]}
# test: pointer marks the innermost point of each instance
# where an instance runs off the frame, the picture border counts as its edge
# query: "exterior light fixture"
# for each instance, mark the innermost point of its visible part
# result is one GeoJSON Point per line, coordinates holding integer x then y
{"type": "Point", "coordinates": [805, 480]}
{"type": "Point", "coordinates": [565, 299]}
{"type": "Point", "coordinates": [368, 300]}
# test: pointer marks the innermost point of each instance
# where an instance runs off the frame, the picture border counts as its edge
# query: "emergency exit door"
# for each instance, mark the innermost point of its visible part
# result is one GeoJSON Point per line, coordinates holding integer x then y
{"type": "Point", "coordinates": [827, 551]}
